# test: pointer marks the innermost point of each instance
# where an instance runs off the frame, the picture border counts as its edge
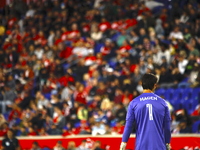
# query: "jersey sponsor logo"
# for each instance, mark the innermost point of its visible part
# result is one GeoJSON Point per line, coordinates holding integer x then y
{"type": "Point", "coordinates": [148, 98]}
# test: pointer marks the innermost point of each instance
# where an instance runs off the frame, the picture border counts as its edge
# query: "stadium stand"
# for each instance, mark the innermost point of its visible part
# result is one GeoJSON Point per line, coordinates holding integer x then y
{"type": "Point", "coordinates": [75, 65]}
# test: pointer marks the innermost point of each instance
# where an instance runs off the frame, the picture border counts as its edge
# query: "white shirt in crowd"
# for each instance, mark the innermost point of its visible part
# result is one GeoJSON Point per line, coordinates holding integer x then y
{"type": "Point", "coordinates": [182, 65]}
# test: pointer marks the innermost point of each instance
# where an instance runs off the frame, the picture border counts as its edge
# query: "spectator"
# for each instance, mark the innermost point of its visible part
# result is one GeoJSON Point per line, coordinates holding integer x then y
{"type": "Point", "coordinates": [58, 118]}
{"type": "Point", "coordinates": [182, 63]}
{"type": "Point", "coordinates": [42, 101]}
{"type": "Point", "coordinates": [97, 145]}
{"type": "Point", "coordinates": [120, 112]}
{"type": "Point", "coordinates": [4, 129]}
{"type": "Point", "coordinates": [9, 95]}
{"type": "Point", "coordinates": [98, 128]}
{"type": "Point", "coordinates": [118, 128]}
{"type": "Point", "coordinates": [83, 145]}
{"type": "Point", "coordinates": [84, 127]}
{"type": "Point", "coordinates": [10, 142]}
{"type": "Point", "coordinates": [71, 145]}
{"type": "Point", "coordinates": [96, 34]}
{"type": "Point", "coordinates": [58, 146]}
{"type": "Point", "coordinates": [35, 146]}
{"type": "Point", "coordinates": [54, 130]}
{"type": "Point", "coordinates": [182, 128]}
{"type": "Point", "coordinates": [82, 113]}
{"type": "Point", "coordinates": [196, 112]}
{"type": "Point", "coordinates": [2, 120]}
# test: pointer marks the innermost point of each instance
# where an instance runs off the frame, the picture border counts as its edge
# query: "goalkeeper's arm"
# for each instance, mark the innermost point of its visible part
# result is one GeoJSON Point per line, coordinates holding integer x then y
{"type": "Point", "coordinates": [128, 127]}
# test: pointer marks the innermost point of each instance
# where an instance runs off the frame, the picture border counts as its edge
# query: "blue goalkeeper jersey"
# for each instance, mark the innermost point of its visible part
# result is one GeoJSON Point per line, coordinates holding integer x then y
{"type": "Point", "coordinates": [150, 116]}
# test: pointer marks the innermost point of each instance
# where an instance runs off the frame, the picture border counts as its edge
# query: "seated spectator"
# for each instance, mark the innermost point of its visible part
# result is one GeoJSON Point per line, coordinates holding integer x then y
{"type": "Point", "coordinates": [97, 146]}
{"type": "Point", "coordinates": [118, 96]}
{"type": "Point", "coordinates": [80, 94]}
{"type": "Point", "coordinates": [196, 112]}
{"type": "Point", "coordinates": [82, 113]}
{"type": "Point", "coordinates": [124, 48]}
{"type": "Point", "coordinates": [42, 132]}
{"type": "Point", "coordinates": [83, 145]}
{"type": "Point", "coordinates": [106, 49]}
{"type": "Point", "coordinates": [14, 115]}
{"type": "Point", "coordinates": [106, 107]}
{"type": "Point", "coordinates": [9, 95]}
{"type": "Point", "coordinates": [84, 128]}
{"type": "Point", "coordinates": [98, 128]}
{"type": "Point", "coordinates": [120, 113]}
{"type": "Point", "coordinates": [182, 128]}
{"type": "Point", "coordinates": [2, 120]}
{"type": "Point", "coordinates": [176, 34]}
{"type": "Point", "coordinates": [31, 132]}
{"type": "Point", "coordinates": [35, 146]}
{"type": "Point", "coordinates": [96, 34]}
{"type": "Point", "coordinates": [54, 130]}
{"type": "Point", "coordinates": [4, 129]}
{"type": "Point", "coordinates": [55, 101]}
{"type": "Point", "coordinates": [118, 128]}
{"type": "Point", "coordinates": [23, 131]}
{"type": "Point", "coordinates": [58, 118]}
{"type": "Point", "coordinates": [182, 62]}
{"type": "Point", "coordinates": [37, 121]}
{"type": "Point", "coordinates": [58, 146]}
{"type": "Point", "coordinates": [71, 145]}
{"type": "Point", "coordinates": [42, 101]}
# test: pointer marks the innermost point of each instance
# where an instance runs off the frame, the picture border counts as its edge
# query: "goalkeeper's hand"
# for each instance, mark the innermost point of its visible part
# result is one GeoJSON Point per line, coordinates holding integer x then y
{"type": "Point", "coordinates": [122, 146]}
{"type": "Point", "coordinates": [168, 146]}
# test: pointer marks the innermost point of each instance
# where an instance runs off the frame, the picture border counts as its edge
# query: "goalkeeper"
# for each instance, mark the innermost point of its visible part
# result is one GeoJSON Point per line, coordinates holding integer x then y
{"type": "Point", "coordinates": [149, 114]}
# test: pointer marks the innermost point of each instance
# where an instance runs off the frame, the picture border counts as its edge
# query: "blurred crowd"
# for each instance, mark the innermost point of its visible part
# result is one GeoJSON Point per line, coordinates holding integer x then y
{"type": "Point", "coordinates": [71, 66]}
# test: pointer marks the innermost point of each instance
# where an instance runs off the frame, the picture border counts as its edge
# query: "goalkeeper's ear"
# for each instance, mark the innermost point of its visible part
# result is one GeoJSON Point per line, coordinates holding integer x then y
{"type": "Point", "coordinates": [123, 145]}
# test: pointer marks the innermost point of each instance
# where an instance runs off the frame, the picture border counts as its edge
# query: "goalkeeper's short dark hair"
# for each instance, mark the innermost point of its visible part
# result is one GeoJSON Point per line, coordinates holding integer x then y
{"type": "Point", "coordinates": [148, 81]}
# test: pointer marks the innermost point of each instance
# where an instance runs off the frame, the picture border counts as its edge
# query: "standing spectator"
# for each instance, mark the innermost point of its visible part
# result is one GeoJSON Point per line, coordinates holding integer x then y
{"type": "Point", "coordinates": [10, 142]}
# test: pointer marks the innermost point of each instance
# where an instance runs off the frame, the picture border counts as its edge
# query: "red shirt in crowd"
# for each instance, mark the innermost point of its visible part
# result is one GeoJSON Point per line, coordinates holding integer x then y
{"type": "Point", "coordinates": [104, 26]}
{"type": "Point", "coordinates": [14, 112]}
{"type": "Point", "coordinates": [64, 35]}
{"type": "Point", "coordinates": [81, 97]}
{"type": "Point", "coordinates": [11, 22]}
{"type": "Point", "coordinates": [3, 132]}
{"type": "Point", "coordinates": [125, 48]}
{"type": "Point", "coordinates": [105, 50]}
{"type": "Point", "coordinates": [66, 52]}
{"type": "Point", "coordinates": [118, 129]}
{"type": "Point", "coordinates": [65, 79]}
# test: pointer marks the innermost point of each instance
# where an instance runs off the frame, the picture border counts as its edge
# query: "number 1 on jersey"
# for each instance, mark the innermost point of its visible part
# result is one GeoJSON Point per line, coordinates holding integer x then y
{"type": "Point", "coordinates": [150, 111]}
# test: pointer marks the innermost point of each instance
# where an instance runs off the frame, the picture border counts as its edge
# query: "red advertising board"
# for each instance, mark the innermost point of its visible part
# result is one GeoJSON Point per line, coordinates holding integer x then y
{"type": "Point", "coordinates": [111, 142]}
